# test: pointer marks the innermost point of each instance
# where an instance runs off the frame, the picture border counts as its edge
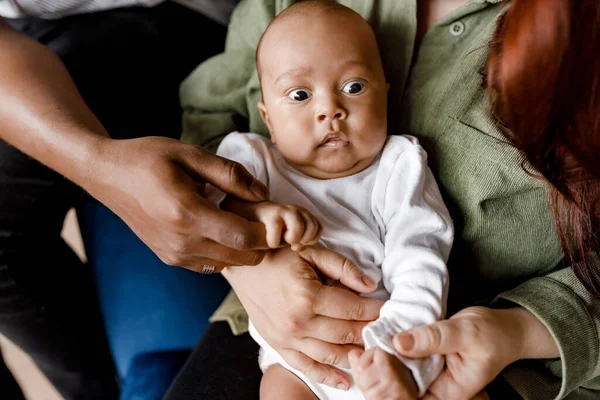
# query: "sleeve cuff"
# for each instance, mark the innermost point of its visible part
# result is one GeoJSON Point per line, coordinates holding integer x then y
{"type": "Point", "coordinates": [560, 308]}
{"type": "Point", "coordinates": [379, 333]}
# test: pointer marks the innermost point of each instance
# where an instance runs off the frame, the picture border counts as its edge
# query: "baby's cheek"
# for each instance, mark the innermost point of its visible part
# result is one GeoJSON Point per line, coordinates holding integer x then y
{"type": "Point", "coordinates": [378, 141]}
{"type": "Point", "coordinates": [297, 151]}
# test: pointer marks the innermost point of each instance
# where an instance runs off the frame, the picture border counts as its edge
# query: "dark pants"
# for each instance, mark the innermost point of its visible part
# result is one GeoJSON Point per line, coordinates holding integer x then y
{"type": "Point", "coordinates": [127, 64]}
{"type": "Point", "coordinates": [222, 367]}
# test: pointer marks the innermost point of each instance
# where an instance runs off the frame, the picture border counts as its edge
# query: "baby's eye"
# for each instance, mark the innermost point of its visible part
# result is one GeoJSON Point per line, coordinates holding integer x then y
{"type": "Point", "coordinates": [299, 94]}
{"type": "Point", "coordinates": [354, 87]}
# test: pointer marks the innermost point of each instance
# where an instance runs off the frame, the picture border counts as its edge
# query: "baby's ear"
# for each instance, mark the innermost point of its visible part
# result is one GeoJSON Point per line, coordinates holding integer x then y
{"type": "Point", "coordinates": [265, 117]}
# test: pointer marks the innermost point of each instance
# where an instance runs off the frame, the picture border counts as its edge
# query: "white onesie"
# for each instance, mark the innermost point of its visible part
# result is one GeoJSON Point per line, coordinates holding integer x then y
{"type": "Point", "coordinates": [389, 219]}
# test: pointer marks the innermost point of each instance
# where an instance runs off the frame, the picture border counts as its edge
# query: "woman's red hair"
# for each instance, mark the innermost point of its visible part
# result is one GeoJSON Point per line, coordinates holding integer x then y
{"type": "Point", "coordinates": [544, 80]}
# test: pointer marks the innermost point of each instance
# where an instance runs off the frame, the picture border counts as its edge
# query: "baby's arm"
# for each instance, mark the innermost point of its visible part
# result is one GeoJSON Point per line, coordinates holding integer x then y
{"type": "Point", "coordinates": [418, 238]}
{"type": "Point", "coordinates": [294, 224]}
{"type": "Point", "coordinates": [288, 223]}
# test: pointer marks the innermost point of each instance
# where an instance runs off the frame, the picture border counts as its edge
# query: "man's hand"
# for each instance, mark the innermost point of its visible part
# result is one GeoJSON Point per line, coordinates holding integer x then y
{"type": "Point", "coordinates": [381, 375]}
{"type": "Point", "coordinates": [312, 325]}
{"type": "Point", "coordinates": [285, 223]}
{"type": "Point", "coordinates": [155, 185]}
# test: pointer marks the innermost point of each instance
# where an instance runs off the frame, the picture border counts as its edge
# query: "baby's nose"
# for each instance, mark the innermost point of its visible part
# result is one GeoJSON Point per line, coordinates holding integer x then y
{"type": "Point", "coordinates": [330, 110]}
{"type": "Point", "coordinates": [325, 116]}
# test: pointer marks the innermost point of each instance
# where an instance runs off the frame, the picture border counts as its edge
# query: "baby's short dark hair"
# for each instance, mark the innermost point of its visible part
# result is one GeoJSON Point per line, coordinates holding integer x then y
{"type": "Point", "coordinates": [302, 6]}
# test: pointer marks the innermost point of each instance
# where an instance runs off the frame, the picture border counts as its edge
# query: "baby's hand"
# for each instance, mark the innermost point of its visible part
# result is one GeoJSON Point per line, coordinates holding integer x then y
{"type": "Point", "coordinates": [298, 227]}
{"type": "Point", "coordinates": [380, 375]}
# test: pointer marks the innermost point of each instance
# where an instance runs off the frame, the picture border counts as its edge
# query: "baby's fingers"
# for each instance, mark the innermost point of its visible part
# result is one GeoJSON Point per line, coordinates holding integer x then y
{"type": "Point", "coordinates": [367, 376]}
{"type": "Point", "coordinates": [298, 247]}
{"type": "Point", "coordinates": [353, 358]}
{"type": "Point", "coordinates": [274, 231]}
{"type": "Point", "coordinates": [312, 230]}
{"type": "Point", "coordinates": [294, 226]}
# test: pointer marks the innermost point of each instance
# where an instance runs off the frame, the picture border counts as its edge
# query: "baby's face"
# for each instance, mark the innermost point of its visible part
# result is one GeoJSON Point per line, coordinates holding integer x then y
{"type": "Point", "coordinates": [324, 93]}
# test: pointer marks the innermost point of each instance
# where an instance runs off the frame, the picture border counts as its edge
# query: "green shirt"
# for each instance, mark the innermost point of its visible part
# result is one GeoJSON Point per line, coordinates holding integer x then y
{"type": "Point", "coordinates": [506, 248]}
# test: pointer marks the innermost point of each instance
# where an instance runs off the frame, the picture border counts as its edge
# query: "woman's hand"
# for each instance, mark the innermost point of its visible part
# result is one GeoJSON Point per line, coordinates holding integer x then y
{"type": "Point", "coordinates": [312, 325]}
{"type": "Point", "coordinates": [155, 185]}
{"type": "Point", "coordinates": [478, 343]}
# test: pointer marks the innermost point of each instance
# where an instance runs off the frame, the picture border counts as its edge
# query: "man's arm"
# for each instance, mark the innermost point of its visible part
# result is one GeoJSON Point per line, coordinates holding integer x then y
{"type": "Point", "coordinates": [42, 113]}
{"type": "Point", "coordinates": [149, 182]}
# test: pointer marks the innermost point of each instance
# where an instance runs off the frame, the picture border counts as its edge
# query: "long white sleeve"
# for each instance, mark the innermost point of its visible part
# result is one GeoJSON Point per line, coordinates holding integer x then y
{"type": "Point", "coordinates": [390, 219]}
{"type": "Point", "coordinates": [418, 238]}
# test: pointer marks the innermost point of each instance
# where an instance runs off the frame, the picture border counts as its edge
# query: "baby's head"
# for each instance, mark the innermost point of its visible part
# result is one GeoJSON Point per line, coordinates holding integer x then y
{"type": "Point", "coordinates": [324, 89]}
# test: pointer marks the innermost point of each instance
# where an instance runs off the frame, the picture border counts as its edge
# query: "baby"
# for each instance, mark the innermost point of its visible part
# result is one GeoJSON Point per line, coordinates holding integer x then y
{"type": "Point", "coordinates": [330, 162]}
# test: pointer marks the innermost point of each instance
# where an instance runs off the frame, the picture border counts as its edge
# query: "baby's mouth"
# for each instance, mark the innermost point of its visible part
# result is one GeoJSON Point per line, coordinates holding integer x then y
{"type": "Point", "coordinates": [335, 140]}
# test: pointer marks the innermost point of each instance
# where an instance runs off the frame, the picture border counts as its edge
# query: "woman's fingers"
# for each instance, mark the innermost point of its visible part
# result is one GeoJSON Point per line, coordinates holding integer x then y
{"type": "Point", "coordinates": [317, 372]}
{"type": "Point", "coordinates": [340, 303]}
{"type": "Point", "coordinates": [338, 267]}
{"type": "Point", "coordinates": [326, 353]}
{"type": "Point", "coordinates": [443, 337]}
{"type": "Point", "coordinates": [337, 331]}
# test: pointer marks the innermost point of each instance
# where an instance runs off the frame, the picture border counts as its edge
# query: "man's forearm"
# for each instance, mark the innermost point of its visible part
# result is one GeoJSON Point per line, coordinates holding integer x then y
{"type": "Point", "coordinates": [41, 110]}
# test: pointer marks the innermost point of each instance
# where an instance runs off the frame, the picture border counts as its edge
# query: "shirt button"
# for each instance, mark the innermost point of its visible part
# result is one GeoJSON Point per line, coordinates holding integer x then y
{"type": "Point", "coordinates": [457, 28]}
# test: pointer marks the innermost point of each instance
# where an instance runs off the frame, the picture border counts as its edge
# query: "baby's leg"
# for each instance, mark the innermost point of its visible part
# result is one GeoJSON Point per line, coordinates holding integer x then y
{"type": "Point", "coordinates": [278, 383]}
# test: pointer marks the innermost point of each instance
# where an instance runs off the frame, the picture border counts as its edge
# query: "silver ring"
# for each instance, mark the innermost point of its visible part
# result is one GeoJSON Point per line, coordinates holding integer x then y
{"type": "Point", "coordinates": [207, 269]}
